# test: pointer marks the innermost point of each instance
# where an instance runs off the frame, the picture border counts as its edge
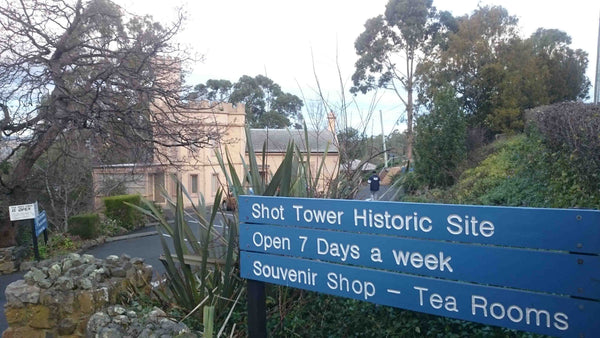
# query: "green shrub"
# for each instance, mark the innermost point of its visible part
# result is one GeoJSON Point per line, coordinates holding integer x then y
{"type": "Point", "coordinates": [118, 209]}
{"type": "Point", "coordinates": [490, 173]}
{"type": "Point", "coordinates": [440, 141]}
{"type": "Point", "coordinates": [61, 243]}
{"type": "Point", "coordinates": [573, 129]}
{"type": "Point", "coordinates": [85, 225]}
{"type": "Point", "coordinates": [523, 171]}
{"type": "Point", "coordinates": [109, 227]}
{"type": "Point", "coordinates": [329, 316]}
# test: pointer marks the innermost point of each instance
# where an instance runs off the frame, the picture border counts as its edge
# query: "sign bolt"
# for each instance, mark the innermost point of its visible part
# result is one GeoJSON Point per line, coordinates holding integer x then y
{"type": "Point", "coordinates": [580, 261]}
{"type": "Point", "coordinates": [579, 245]}
{"type": "Point", "coordinates": [579, 218]}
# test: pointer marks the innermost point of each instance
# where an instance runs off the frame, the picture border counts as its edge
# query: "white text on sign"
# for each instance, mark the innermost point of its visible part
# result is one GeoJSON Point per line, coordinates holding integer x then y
{"type": "Point", "coordinates": [457, 225]}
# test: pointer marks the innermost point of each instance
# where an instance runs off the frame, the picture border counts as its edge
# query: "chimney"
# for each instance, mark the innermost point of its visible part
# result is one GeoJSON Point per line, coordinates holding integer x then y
{"type": "Point", "coordinates": [331, 122]}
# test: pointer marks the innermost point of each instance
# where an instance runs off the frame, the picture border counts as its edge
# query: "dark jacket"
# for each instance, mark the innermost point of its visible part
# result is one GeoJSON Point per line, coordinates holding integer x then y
{"type": "Point", "coordinates": [374, 182]}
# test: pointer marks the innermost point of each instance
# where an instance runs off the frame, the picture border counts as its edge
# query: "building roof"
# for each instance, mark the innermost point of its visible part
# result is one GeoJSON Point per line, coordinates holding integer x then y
{"type": "Point", "coordinates": [367, 166]}
{"type": "Point", "coordinates": [277, 140]}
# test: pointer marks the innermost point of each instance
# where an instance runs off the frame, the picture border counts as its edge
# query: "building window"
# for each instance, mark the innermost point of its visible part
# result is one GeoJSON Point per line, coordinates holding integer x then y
{"type": "Point", "coordinates": [264, 173]}
{"type": "Point", "coordinates": [194, 184]}
{"type": "Point", "coordinates": [214, 183]}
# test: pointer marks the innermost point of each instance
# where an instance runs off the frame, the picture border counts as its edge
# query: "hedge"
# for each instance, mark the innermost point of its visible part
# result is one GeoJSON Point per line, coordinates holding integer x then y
{"type": "Point", "coordinates": [123, 214]}
{"type": "Point", "coordinates": [85, 226]}
{"type": "Point", "coordinates": [572, 128]}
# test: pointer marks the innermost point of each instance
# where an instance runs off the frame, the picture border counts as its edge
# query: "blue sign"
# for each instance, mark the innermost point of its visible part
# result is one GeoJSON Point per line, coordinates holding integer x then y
{"type": "Point", "coordinates": [41, 223]}
{"type": "Point", "coordinates": [556, 272]}
{"type": "Point", "coordinates": [529, 269]}
{"type": "Point", "coordinates": [521, 310]}
{"type": "Point", "coordinates": [552, 229]}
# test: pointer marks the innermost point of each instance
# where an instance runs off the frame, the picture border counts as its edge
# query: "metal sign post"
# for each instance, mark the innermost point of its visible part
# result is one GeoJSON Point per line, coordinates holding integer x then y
{"type": "Point", "coordinates": [38, 221]}
{"type": "Point", "coordinates": [36, 250]}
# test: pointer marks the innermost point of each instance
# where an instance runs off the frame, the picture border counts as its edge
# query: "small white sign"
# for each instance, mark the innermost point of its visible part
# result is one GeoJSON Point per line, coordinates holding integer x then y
{"type": "Point", "coordinates": [21, 212]}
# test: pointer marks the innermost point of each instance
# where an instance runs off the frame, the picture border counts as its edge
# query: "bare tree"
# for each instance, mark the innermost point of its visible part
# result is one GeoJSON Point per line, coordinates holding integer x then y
{"type": "Point", "coordinates": [70, 65]}
{"type": "Point", "coordinates": [62, 178]}
{"type": "Point", "coordinates": [351, 123]}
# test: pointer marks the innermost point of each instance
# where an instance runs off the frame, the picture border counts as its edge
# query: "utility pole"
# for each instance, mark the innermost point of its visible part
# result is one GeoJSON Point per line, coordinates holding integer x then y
{"type": "Point", "coordinates": [385, 157]}
{"type": "Point", "coordinates": [597, 85]}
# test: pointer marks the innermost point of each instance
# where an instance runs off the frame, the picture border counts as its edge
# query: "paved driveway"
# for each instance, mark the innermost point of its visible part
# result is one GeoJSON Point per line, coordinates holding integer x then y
{"type": "Point", "coordinates": [386, 193]}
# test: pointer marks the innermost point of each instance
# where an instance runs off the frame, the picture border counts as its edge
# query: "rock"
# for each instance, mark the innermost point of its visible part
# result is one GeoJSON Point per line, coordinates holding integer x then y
{"type": "Point", "coordinates": [86, 302]}
{"type": "Point", "coordinates": [35, 275]}
{"type": "Point", "coordinates": [67, 264]}
{"type": "Point", "coordinates": [25, 266]}
{"type": "Point", "coordinates": [21, 292]}
{"type": "Point", "coordinates": [8, 267]}
{"type": "Point", "coordinates": [121, 320]}
{"type": "Point", "coordinates": [58, 299]}
{"type": "Point", "coordinates": [98, 274]}
{"type": "Point", "coordinates": [20, 253]}
{"type": "Point", "coordinates": [166, 324]}
{"type": "Point", "coordinates": [54, 271]}
{"type": "Point", "coordinates": [45, 283]}
{"type": "Point", "coordinates": [101, 296]}
{"type": "Point", "coordinates": [84, 283]}
{"type": "Point", "coordinates": [15, 316]}
{"type": "Point", "coordinates": [118, 272]}
{"type": "Point", "coordinates": [109, 332]}
{"type": "Point", "coordinates": [20, 332]}
{"type": "Point", "coordinates": [137, 261]}
{"type": "Point", "coordinates": [42, 317]}
{"type": "Point", "coordinates": [88, 259]}
{"type": "Point", "coordinates": [154, 325]}
{"type": "Point", "coordinates": [98, 321]}
{"type": "Point", "coordinates": [88, 270]}
{"type": "Point", "coordinates": [148, 333]}
{"type": "Point", "coordinates": [66, 326]}
{"type": "Point", "coordinates": [64, 283]}
{"type": "Point", "coordinates": [156, 314]}
{"type": "Point", "coordinates": [115, 310]}
{"type": "Point", "coordinates": [112, 260]}
{"type": "Point", "coordinates": [74, 256]}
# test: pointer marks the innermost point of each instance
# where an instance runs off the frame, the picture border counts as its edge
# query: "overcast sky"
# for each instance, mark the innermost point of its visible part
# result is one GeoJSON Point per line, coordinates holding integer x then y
{"type": "Point", "coordinates": [277, 37]}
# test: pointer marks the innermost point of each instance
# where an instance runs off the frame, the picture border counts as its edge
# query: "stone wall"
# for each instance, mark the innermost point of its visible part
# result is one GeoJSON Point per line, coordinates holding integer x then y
{"type": "Point", "coordinates": [18, 258]}
{"type": "Point", "coordinates": [57, 298]}
{"type": "Point", "coordinates": [8, 263]}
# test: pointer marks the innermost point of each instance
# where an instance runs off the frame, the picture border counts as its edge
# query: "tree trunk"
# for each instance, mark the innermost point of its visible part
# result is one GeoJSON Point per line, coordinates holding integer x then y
{"type": "Point", "coordinates": [18, 179]}
{"type": "Point", "coordinates": [409, 105]}
{"type": "Point", "coordinates": [409, 125]}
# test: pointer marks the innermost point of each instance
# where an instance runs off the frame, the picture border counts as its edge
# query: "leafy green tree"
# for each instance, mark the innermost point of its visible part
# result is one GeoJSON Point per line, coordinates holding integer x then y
{"type": "Point", "coordinates": [467, 61]}
{"type": "Point", "coordinates": [267, 106]}
{"type": "Point", "coordinates": [537, 71]}
{"type": "Point", "coordinates": [390, 48]}
{"type": "Point", "coordinates": [440, 143]}
{"type": "Point", "coordinates": [213, 90]}
{"type": "Point", "coordinates": [497, 75]}
{"type": "Point", "coordinates": [86, 65]}
{"type": "Point", "coordinates": [566, 67]}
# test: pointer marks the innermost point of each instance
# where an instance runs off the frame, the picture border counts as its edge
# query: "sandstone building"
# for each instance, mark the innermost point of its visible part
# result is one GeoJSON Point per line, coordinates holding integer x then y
{"type": "Point", "coordinates": [199, 170]}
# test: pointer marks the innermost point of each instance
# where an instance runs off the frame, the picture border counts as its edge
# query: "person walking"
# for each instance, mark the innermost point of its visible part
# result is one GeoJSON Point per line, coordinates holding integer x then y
{"type": "Point", "coordinates": [374, 185]}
